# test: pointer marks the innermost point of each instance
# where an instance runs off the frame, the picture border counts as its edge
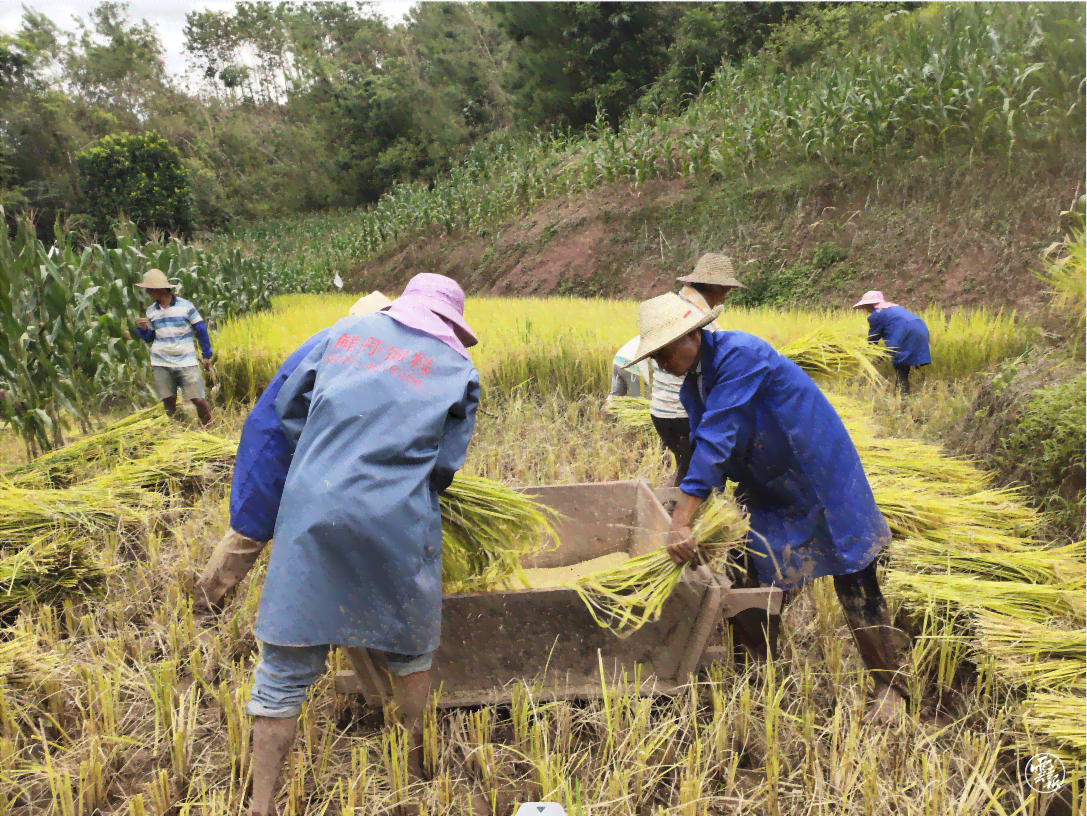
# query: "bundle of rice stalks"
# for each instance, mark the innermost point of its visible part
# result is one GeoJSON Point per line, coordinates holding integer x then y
{"type": "Point", "coordinates": [626, 597]}
{"type": "Point", "coordinates": [835, 352]}
{"type": "Point", "coordinates": [911, 505]}
{"type": "Point", "coordinates": [27, 514]}
{"type": "Point", "coordinates": [487, 528]}
{"type": "Point", "coordinates": [967, 593]}
{"type": "Point", "coordinates": [83, 457]}
{"type": "Point", "coordinates": [894, 457]}
{"type": "Point", "coordinates": [631, 411]}
{"type": "Point", "coordinates": [1056, 721]}
{"type": "Point", "coordinates": [1033, 654]}
{"type": "Point", "coordinates": [50, 568]}
{"type": "Point", "coordinates": [183, 461]}
{"type": "Point", "coordinates": [22, 660]}
{"type": "Point", "coordinates": [1022, 565]}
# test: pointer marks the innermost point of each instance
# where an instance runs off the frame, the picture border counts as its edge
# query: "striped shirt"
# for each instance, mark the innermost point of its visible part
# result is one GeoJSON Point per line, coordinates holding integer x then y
{"type": "Point", "coordinates": [173, 330]}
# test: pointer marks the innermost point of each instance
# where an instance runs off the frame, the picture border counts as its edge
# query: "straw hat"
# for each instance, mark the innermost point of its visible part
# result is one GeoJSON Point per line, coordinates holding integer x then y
{"type": "Point", "coordinates": [369, 303]}
{"type": "Point", "coordinates": [715, 269]}
{"type": "Point", "coordinates": [664, 319]}
{"type": "Point", "coordinates": [872, 298]}
{"type": "Point", "coordinates": [155, 279]}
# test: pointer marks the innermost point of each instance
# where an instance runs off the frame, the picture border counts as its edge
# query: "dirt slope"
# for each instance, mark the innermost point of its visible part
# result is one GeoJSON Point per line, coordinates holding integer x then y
{"type": "Point", "coordinates": [961, 233]}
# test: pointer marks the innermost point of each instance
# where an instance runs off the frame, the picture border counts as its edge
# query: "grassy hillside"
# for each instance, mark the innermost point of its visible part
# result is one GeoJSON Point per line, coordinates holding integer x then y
{"type": "Point", "coordinates": [944, 142]}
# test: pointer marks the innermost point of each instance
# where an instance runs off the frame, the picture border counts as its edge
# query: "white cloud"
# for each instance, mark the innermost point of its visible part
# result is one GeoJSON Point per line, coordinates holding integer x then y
{"type": "Point", "coordinates": [168, 16]}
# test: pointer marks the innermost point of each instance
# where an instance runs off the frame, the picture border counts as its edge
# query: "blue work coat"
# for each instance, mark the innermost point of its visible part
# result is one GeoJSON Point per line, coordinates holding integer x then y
{"type": "Point", "coordinates": [382, 415]}
{"type": "Point", "coordinates": [264, 456]}
{"type": "Point", "coordinates": [902, 331]}
{"type": "Point", "coordinates": [759, 420]}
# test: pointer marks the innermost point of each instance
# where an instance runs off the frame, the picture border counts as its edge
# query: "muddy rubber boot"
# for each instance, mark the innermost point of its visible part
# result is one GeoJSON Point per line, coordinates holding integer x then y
{"type": "Point", "coordinates": [272, 740]}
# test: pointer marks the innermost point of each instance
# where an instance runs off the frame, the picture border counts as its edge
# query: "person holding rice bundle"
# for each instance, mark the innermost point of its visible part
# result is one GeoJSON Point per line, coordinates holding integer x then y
{"type": "Point", "coordinates": [260, 470]}
{"type": "Point", "coordinates": [758, 420]}
{"type": "Point", "coordinates": [901, 331]}
{"type": "Point", "coordinates": [380, 412]}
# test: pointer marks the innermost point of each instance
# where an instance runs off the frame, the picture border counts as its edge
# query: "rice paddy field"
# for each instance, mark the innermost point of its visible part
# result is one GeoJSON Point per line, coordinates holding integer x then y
{"type": "Point", "coordinates": [114, 699]}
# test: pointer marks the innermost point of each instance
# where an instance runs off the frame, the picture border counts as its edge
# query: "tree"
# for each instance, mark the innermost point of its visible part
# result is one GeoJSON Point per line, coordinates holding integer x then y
{"type": "Point", "coordinates": [140, 176]}
{"type": "Point", "coordinates": [573, 62]}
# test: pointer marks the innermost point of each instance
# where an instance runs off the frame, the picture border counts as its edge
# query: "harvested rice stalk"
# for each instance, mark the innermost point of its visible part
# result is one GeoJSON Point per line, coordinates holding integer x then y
{"type": "Point", "coordinates": [626, 597]}
{"type": "Point", "coordinates": [829, 352]}
{"type": "Point", "coordinates": [1032, 602]}
{"type": "Point", "coordinates": [1023, 565]}
{"type": "Point", "coordinates": [487, 528]}
{"type": "Point", "coordinates": [631, 411]}
{"type": "Point", "coordinates": [1032, 654]}
{"type": "Point", "coordinates": [1057, 723]}
{"type": "Point", "coordinates": [22, 660]}
{"type": "Point", "coordinates": [180, 461]}
{"type": "Point", "coordinates": [28, 514]}
{"type": "Point", "coordinates": [50, 568]}
{"type": "Point", "coordinates": [81, 458]}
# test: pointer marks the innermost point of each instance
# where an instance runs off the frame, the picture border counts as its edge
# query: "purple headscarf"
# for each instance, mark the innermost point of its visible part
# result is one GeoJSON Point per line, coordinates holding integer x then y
{"type": "Point", "coordinates": [434, 304]}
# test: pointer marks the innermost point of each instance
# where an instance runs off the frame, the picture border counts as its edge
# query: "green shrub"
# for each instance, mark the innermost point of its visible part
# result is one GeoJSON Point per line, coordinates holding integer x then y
{"type": "Point", "coordinates": [1046, 451]}
{"type": "Point", "coordinates": [140, 176]}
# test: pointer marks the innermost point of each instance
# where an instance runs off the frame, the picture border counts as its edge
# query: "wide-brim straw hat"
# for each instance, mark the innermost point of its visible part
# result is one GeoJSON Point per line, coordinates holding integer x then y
{"type": "Point", "coordinates": [369, 303]}
{"type": "Point", "coordinates": [714, 269]}
{"type": "Point", "coordinates": [872, 298]}
{"type": "Point", "coordinates": [665, 319]}
{"type": "Point", "coordinates": [155, 279]}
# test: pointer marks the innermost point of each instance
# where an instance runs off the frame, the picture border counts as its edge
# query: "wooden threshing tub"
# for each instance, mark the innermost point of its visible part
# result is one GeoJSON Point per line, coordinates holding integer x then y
{"type": "Point", "coordinates": [547, 638]}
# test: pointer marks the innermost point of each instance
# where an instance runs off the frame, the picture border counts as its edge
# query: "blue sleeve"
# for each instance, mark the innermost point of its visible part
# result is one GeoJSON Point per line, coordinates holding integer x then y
{"type": "Point", "coordinates": [201, 331]}
{"type": "Point", "coordinates": [742, 375]}
{"type": "Point", "coordinates": [147, 335]}
{"type": "Point", "coordinates": [292, 404]}
{"type": "Point", "coordinates": [875, 328]}
{"type": "Point", "coordinates": [459, 427]}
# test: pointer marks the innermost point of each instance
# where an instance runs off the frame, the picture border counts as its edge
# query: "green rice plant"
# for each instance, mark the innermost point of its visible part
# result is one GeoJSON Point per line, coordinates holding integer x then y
{"type": "Point", "coordinates": [48, 569]}
{"type": "Point", "coordinates": [1064, 271]}
{"type": "Point", "coordinates": [626, 597]}
{"type": "Point", "coordinates": [487, 529]}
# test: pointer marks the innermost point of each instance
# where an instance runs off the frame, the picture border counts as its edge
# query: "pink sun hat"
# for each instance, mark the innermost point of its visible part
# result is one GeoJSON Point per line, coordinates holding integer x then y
{"type": "Point", "coordinates": [872, 298]}
{"type": "Point", "coordinates": [434, 304]}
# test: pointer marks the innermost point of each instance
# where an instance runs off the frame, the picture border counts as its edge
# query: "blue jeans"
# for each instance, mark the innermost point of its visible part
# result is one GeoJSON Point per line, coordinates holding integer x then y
{"type": "Point", "coordinates": [284, 674]}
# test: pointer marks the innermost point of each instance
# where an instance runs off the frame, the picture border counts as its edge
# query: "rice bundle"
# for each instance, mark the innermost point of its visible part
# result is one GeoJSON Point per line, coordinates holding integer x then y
{"type": "Point", "coordinates": [967, 593]}
{"type": "Point", "coordinates": [1057, 723]}
{"type": "Point", "coordinates": [22, 661]}
{"type": "Point", "coordinates": [79, 459]}
{"type": "Point", "coordinates": [28, 514]}
{"type": "Point", "coordinates": [626, 597]}
{"type": "Point", "coordinates": [631, 411]}
{"type": "Point", "coordinates": [487, 528]}
{"type": "Point", "coordinates": [50, 568]}
{"type": "Point", "coordinates": [182, 461]}
{"type": "Point", "coordinates": [830, 352]}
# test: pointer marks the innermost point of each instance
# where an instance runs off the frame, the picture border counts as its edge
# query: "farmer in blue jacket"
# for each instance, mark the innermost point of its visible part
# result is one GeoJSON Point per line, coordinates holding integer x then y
{"type": "Point", "coordinates": [758, 420]}
{"type": "Point", "coordinates": [903, 332]}
{"type": "Point", "coordinates": [380, 414]}
{"type": "Point", "coordinates": [260, 469]}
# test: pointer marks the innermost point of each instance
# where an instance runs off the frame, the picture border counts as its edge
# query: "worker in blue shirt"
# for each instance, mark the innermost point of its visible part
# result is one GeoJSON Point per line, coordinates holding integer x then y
{"type": "Point", "coordinates": [758, 420]}
{"type": "Point", "coordinates": [260, 470]}
{"type": "Point", "coordinates": [902, 332]}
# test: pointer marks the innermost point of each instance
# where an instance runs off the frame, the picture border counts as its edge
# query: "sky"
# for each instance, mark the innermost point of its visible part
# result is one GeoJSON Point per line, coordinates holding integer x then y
{"type": "Point", "coordinates": [167, 15]}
